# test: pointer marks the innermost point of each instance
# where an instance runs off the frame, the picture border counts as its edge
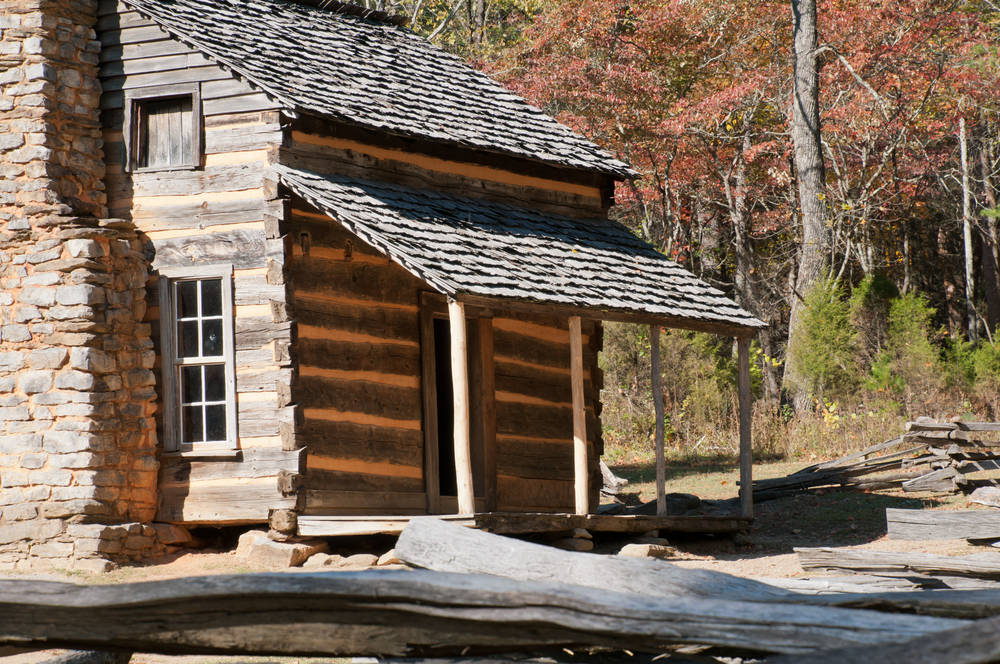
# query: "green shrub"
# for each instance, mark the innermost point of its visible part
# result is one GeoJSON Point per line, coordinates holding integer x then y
{"type": "Point", "coordinates": [913, 357]}
{"type": "Point", "coordinates": [870, 302]}
{"type": "Point", "coordinates": [825, 345]}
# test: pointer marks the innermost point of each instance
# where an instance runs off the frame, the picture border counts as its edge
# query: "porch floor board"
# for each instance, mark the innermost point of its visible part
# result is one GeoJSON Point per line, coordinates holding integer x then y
{"type": "Point", "coordinates": [518, 523]}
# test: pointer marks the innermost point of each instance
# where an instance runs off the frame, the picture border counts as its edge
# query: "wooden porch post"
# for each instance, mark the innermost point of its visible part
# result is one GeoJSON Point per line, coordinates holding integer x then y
{"type": "Point", "coordinates": [460, 390]}
{"type": "Point", "coordinates": [581, 463]}
{"type": "Point", "coordinates": [746, 451]}
{"type": "Point", "coordinates": [661, 461]}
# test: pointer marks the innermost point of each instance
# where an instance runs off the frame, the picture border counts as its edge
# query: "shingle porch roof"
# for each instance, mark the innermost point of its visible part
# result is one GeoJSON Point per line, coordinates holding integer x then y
{"type": "Point", "coordinates": [468, 247]}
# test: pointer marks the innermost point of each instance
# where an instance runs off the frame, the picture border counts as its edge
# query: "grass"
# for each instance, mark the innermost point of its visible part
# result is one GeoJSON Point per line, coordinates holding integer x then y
{"type": "Point", "coordinates": [828, 517]}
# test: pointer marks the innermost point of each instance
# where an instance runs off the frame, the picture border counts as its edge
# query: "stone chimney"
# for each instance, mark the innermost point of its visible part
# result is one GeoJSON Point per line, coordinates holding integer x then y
{"type": "Point", "coordinates": [77, 398]}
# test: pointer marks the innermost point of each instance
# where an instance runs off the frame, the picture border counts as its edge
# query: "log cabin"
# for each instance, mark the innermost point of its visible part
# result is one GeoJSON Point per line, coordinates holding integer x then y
{"type": "Point", "coordinates": [376, 278]}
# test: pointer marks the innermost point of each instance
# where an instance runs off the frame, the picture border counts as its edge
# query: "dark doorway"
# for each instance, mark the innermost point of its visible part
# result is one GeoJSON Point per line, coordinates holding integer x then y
{"type": "Point", "coordinates": [445, 408]}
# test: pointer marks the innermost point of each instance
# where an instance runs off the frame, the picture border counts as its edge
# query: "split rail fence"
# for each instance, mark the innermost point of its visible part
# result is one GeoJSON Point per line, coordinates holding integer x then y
{"type": "Point", "coordinates": [479, 594]}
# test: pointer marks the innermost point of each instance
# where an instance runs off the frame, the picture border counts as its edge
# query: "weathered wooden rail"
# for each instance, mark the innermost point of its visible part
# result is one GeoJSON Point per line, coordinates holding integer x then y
{"type": "Point", "coordinates": [530, 602]}
{"type": "Point", "coordinates": [930, 456]}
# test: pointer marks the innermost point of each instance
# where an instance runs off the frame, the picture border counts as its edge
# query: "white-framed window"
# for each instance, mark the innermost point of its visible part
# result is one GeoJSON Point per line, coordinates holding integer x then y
{"type": "Point", "coordinates": [162, 128]}
{"type": "Point", "coordinates": [199, 376]}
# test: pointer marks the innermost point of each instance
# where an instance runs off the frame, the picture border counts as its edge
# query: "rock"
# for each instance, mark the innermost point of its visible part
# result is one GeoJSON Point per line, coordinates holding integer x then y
{"type": "Point", "coordinates": [582, 533]}
{"type": "Point", "coordinates": [389, 558]}
{"type": "Point", "coordinates": [256, 547]}
{"type": "Point", "coordinates": [573, 544]}
{"type": "Point", "coordinates": [648, 551]}
{"type": "Point", "coordinates": [357, 561]}
{"type": "Point", "coordinates": [170, 534]}
{"type": "Point", "coordinates": [318, 560]}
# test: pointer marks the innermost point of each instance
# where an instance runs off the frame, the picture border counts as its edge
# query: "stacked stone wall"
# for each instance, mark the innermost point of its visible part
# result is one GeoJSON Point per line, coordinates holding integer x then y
{"type": "Point", "coordinates": [77, 395]}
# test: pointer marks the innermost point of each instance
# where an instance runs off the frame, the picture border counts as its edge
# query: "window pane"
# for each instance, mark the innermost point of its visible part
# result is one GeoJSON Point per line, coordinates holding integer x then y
{"type": "Point", "coordinates": [187, 299]}
{"type": "Point", "coordinates": [211, 297]}
{"type": "Point", "coordinates": [215, 382]}
{"type": "Point", "coordinates": [211, 338]}
{"type": "Point", "coordinates": [187, 339]}
{"type": "Point", "coordinates": [191, 416]}
{"type": "Point", "coordinates": [190, 384]}
{"type": "Point", "coordinates": [215, 417]}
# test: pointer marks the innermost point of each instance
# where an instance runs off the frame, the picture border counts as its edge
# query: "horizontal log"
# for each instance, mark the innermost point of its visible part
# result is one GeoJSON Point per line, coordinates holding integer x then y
{"type": "Point", "coordinates": [221, 502]}
{"type": "Point", "coordinates": [380, 283]}
{"type": "Point", "coordinates": [322, 479]}
{"type": "Point", "coordinates": [214, 179]}
{"type": "Point", "coordinates": [344, 355]}
{"type": "Point", "coordinates": [942, 524]}
{"type": "Point", "coordinates": [516, 419]}
{"type": "Point", "coordinates": [522, 494]}
{"type": "Point", "coordinates": [985, 566]}
{"type": "Point", "coordinates": [242, 248]}
{"type": "Point", "coordinates": [382, 322]}
{"type": "Point", "coordinates": [533, 459]}
{"type": "Point", "coordinates": [252, 463]}
{"type": "Point", "coordinates": [329, 501]}
{"type": "Point", "coordinates": [363, 442]}
{"type": "Point", "coordinates": [199, 212]}
{"type": "Point", "coordinates": [359, 397]}
{"type": "Point", "coordinates": [254, 332]}
{"type": "Point", "coordinates": [386, 613]}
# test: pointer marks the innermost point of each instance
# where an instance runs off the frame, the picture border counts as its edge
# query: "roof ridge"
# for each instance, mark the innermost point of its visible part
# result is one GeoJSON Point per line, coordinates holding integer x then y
{"type": "Point", "coordinates": [352, 9]}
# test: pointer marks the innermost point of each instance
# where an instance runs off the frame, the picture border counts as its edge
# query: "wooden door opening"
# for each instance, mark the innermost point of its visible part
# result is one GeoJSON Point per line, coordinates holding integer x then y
{"type": "Point", "coordinates": [439, 442]}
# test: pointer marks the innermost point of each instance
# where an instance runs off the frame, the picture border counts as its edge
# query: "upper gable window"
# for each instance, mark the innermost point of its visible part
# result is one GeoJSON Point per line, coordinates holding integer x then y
{"type": "Point", "coordinates": [163, 128]}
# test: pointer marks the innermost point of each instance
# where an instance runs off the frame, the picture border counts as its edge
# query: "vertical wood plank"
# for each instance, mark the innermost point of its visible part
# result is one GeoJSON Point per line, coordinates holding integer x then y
{"type": "Point", "coordinates": [460, 389]}
{"type": "Point", "coordinates": [746, 452]}
{"type": "Point", "coordinates": [475, 407]}
{"type": "Point", "coordinates": [580, 456]}
{"type": "Point", "coordinates": [429, 384]}
{"type": "Point", "coordinates": [661, 462]}
{"type": "Point", "coordinates": [488, 412]}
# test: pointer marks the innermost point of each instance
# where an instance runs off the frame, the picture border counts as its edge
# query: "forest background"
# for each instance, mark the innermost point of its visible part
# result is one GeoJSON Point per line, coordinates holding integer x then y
{"type": "Point", "coordinates": [697, 96]}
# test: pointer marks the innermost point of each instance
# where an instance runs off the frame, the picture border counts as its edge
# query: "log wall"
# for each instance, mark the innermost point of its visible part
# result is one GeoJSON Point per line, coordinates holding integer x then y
{"type": "Point", "coordinates": [358, 351]}
{"type": "Point", "coordinates": [359, 385]}
{"type": "Point", "coordinates": [226, 211]}
{"type": "Point", "coordinates": [534, 411]}
{"type": "Point", "coordinates": [353, 153]}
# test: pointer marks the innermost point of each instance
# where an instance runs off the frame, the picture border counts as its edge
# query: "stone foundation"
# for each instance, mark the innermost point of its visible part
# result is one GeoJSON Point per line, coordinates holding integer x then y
{"type": "Point", "coordinates": [77, 397]}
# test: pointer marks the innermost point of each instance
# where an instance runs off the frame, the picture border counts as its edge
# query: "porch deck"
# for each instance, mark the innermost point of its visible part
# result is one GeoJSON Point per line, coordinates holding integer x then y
{"type": "Point", "coordinates": [516, 523]}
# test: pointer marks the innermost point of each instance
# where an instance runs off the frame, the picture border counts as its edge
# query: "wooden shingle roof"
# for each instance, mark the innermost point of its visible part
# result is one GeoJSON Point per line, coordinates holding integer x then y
{"type": "Point", "coordinates": [374, 74]}
{"type": "Point", "coordinates": [464, 246]}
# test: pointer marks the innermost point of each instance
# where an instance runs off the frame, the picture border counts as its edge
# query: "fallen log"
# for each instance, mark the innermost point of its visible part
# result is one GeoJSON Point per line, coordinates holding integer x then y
{"type": "Point", "coordinates": [952, 524]}
{"type": "Point", "coordinates": [964, 645]}
{"type": "Point", "coordinates": [982, 566]}
{"type": "Point", "coordinates": [414, 613]}
{"type": "Point", "coordinates": [471, 551]}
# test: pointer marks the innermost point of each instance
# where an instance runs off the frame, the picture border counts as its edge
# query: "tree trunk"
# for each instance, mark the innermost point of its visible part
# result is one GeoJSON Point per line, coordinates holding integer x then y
{"type": "Point", "coordinates": [809, 172]}
{"type": "Point", "coordinates": [970, 281]}
{"type": "Point", "coordinates": [991, 257]}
